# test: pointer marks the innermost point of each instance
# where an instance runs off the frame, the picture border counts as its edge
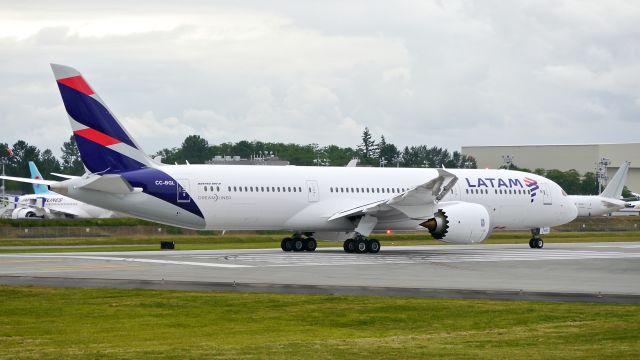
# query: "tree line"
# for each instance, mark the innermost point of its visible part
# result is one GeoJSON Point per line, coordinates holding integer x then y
{"type": "Point", "coordinates": [370, 151]}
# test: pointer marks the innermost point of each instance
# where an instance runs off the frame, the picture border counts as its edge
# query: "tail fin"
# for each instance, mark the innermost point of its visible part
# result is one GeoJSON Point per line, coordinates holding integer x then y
{"type": "Point", "coordinates": [615, 186]}
{"type": "Point", "coordinates": [35, 174]}
{"type": "Point", "coordinates": [105, 146]}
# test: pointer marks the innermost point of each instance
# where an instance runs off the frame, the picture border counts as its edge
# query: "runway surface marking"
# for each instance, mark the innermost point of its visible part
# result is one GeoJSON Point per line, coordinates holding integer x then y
{"type": "Point", "coordinates": [131, 259]}
{"type": "Point", "coordinates": [438, 256]}
{"type": "Point", "coordinates": [323, 257]}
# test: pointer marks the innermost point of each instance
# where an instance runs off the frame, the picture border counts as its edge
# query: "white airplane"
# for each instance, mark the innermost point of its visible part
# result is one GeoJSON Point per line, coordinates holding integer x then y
{"type": "Point", "coordinates": [49, 205]}
{"type": "Point", "coordinates": [348, 203]}
{"type": "Point", "coordinates": [608, 201]}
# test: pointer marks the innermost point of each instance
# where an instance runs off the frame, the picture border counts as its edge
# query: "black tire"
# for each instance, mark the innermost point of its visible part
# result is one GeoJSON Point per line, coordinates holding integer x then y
{"type": "Point", "coordinates": [298, 245]}
{"type": "Point", "coordinates": [361, 246]}
{"type": "Point", "coordinates": [311, 245]}
{"type": "Point", "coordinates": [374, 246]}
{"type": "Point", "coordinates": [539, 244]}
{"type": "Point", "coordinates": [349, 246]}
{"type": "Point", "coordinates": [286, 244]}
{"type": "Point", "coordinates": [532, 244]}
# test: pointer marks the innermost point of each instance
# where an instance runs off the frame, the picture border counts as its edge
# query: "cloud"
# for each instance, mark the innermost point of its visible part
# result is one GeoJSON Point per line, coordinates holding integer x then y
{"type": "Point", "coordinates": [440, 73]}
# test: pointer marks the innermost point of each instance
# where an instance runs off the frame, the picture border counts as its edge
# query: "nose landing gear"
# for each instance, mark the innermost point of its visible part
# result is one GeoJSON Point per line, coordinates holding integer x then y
{"type": "Point", "coordinates": [536, 242]}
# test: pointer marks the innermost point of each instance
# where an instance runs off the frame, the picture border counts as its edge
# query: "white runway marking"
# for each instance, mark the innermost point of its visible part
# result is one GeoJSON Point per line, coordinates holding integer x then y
{"type": "Point", "coordinates": [110, 258]}
{"type": "Point", "coordinates": [322, 258]}
{"type": "Point", "coordinates": [259, 258]}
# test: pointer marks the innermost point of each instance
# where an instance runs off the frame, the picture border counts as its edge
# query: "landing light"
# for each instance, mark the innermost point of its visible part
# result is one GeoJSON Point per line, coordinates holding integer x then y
{"type": "Point", "coordinates": [389, 231]}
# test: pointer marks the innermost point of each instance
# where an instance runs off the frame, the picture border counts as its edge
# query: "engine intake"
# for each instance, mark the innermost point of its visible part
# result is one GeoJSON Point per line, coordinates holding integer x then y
{"type": "Point", "coordinates": [461, 223]}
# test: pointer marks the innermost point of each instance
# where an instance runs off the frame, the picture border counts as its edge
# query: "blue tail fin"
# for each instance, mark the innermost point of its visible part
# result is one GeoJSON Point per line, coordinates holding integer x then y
{"type": "Point", "coordinates": [35, 174]}
{"type": "Point", "coordinates": [105, 146]}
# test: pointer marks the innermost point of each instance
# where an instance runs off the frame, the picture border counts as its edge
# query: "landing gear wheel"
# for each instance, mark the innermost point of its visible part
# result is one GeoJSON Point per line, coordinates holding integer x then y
{"type": "Point", "coordinates": [298, 245]}
{"type": "Point", "coordinates": [539, 243]}
{"type": "Point", "coordinates": [349, 246]}
{"type": "Point", "coordinates": [311, 245]}
{"type": "Point", "coordinates": [374, 246]}
{"type": "Point", "coordinates": [361, 246]}
{"type": "Point", "coordinates": [286, 244]}
{"type": "Point", "coordinates": [531, 244]}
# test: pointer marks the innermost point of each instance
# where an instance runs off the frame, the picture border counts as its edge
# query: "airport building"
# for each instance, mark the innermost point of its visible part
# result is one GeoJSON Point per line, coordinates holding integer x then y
{"type": "Point", "coordinates": [603, 158]}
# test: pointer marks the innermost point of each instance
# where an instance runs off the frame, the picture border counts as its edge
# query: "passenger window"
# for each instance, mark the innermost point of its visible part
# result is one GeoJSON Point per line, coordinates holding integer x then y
{"type": "Point", "coordinates": [299, 188]}
{"type": "Point", "coordinates": [229, 188]}
{"type": "Point", "coordinates": [240, 188]}
{"type": "Point", "coordinates": [289, 189]}
{"type": "Point", "coordinates": [278, 188]}
{"type": "Point", "coordinates": [205, 188]}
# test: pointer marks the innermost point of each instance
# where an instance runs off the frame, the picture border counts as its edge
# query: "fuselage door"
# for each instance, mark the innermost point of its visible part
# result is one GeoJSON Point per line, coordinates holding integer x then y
{"type": "Point", "coordinates": [183, 191]}
{"type": "Point", "coordinates": [312, 190]}
{"type": "Point", "coordinates": [546, 194]}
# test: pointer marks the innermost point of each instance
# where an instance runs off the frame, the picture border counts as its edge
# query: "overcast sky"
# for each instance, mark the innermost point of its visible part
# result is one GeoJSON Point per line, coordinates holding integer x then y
{"type": "Point", "coordinates": [447, 73]}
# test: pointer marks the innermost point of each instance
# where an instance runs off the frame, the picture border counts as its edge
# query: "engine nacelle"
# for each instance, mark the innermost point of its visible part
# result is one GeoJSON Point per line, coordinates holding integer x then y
{"type": "Point", "coordinates": [460, 223]}
{"type": "Point", "coordinates": [26, 213]}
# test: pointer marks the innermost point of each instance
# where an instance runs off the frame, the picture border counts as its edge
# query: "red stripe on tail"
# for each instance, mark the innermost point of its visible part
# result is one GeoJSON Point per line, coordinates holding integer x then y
{"type": "Point", "coordinates": [77, 83]}
{"type": "Point", "coordinates": [97, 137]}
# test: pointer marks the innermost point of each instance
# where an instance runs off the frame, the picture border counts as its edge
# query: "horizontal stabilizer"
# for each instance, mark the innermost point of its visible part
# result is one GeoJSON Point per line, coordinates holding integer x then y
{"type": "Point", "coordinates": [114, 184]}
{"type": "Point", "coordinates": [65, 176]}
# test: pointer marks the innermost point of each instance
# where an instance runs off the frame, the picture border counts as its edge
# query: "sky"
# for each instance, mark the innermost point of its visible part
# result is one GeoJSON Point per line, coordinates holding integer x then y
{"type": "Point", "coordinates": [447, 73]}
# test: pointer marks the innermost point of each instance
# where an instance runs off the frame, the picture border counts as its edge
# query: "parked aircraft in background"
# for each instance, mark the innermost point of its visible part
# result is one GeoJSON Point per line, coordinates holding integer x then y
{"type": "Point", "coordinates": [610, 200]}
{"type": "Point", "coordinates": [48, 205]}
{"type": "Point", "coordinates": [454, 205]}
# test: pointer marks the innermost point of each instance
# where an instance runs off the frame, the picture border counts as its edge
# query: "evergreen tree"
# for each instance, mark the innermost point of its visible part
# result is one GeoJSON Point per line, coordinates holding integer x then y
{"type": "Point", "coordinates": [367, 148]}
{"type": "Point", "coordinates": [71, 161]}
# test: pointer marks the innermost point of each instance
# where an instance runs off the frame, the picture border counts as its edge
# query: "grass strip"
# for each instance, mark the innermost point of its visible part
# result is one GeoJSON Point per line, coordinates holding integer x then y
{"type": "Point", "coordinates": [52, 323]}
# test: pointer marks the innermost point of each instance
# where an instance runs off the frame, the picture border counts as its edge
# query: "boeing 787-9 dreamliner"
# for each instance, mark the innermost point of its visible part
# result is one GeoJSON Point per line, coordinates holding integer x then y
{"type": "Point", "coordinates": [347, 203]}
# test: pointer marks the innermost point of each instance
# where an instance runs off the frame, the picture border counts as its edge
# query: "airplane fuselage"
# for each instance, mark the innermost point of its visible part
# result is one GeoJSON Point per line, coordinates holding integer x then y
{"type": "Point", "coordinates": [298, 198]}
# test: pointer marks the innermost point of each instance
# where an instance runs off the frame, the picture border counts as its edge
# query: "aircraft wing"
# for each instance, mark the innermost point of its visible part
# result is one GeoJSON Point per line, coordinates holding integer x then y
{"type": "Point", "coordinates": [415, 203]}
{"type": "Point", "coordinates": [613, 204]}
{"type": "Point", "coordinates": [28, 180]}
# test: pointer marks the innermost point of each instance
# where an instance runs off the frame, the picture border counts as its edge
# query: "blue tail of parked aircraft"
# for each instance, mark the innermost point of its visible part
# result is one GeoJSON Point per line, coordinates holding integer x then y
{"type": "Point", "coordinates": [35, 174]}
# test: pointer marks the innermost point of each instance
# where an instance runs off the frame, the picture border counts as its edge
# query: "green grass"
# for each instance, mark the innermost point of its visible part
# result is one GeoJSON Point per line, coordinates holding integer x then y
{"type": "Point", "coordinates": [46, 323]}
{"type": "Point", "coordinates": [216, 242]}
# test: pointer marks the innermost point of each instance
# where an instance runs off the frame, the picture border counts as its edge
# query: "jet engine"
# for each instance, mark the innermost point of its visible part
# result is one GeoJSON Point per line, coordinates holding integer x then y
{"type": "Point", "coordinates": [26, 213]}
{"type": "Point", "coordinates": [460, 223]}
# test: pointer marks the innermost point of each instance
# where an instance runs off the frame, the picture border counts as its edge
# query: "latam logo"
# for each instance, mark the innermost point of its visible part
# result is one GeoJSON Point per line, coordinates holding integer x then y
{"type": "Point", "coordinates": [509, 183]}
{"type": "Point", "coordinates": [494, 183]}
{"type": "Point", "coordinates": [533, 187]}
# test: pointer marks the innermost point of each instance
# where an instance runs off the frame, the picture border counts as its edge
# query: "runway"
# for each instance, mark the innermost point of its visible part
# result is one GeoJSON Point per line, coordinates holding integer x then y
{"type": "Point", "coordinates": [597, 272]}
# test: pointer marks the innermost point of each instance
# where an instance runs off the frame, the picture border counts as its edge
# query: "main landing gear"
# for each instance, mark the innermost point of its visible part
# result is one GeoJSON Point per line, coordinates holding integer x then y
{"type": "Point", "coordinates": [536, 242]}
{"type": "Point", "coordinates": [361, 245]}
{"type": "Point", "coordinates": [299, 243]}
